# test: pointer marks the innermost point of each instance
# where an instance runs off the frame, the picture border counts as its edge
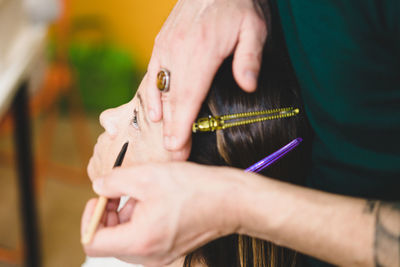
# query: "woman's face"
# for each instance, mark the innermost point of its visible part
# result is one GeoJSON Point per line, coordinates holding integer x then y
{"type": "Point", "coordinates": [128, 123]}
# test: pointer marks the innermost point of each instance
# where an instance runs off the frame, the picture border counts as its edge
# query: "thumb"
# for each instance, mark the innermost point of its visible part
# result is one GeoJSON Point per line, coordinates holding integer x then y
{"type": "Point", "coordinates": [248, 53]}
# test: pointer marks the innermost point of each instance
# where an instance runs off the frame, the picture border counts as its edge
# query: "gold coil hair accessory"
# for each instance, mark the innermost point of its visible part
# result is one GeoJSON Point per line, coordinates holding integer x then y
{"type": "Point", "coordinates": [212, 123]}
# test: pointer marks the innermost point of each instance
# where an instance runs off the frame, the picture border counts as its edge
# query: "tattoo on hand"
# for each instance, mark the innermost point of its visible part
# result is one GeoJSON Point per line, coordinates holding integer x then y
{"type": "Point", "coordinates": [387, 232]}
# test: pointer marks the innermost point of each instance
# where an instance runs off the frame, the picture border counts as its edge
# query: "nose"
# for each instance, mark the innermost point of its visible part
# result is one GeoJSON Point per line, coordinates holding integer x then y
{"type": "Point", "coordinates": [108, 121]}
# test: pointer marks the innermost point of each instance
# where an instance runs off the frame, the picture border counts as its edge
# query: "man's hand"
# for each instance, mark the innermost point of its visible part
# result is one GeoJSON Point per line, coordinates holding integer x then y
{"type": "Point", "coordinates": [197, 36]}
{"type": "Point", "coordinates": [168, 214]}
{"type": "Point", "coordinates": [177, 207]}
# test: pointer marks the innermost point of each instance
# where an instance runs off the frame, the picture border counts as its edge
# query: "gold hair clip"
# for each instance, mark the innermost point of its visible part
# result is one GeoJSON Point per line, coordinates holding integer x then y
{"type": "Point", "coordinates": [212, 123]}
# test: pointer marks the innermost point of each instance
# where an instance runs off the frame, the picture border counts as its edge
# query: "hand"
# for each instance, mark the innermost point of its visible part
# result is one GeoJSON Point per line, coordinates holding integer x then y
{"type": "Point", "coordinates": [174, 208]}
{"type": "Point", "coordinates": [196, 38]}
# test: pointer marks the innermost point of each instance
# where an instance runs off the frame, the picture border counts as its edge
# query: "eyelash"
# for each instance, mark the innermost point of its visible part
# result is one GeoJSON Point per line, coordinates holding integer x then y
{"type": "Point", "coordinates": [134, 121]}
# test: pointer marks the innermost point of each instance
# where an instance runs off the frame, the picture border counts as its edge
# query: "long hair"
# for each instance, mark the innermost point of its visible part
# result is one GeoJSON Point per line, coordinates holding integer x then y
{"type": "Point", "coordinates": [242, 146]}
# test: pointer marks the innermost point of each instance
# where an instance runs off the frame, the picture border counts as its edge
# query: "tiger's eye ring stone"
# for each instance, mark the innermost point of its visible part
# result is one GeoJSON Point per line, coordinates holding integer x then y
{"type": "Point", "coordinates": [163, 79]}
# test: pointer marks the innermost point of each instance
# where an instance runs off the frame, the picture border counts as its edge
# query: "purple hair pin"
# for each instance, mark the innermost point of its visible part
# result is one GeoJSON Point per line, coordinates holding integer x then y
{"type": "Point", "coordinates": [271, 159]}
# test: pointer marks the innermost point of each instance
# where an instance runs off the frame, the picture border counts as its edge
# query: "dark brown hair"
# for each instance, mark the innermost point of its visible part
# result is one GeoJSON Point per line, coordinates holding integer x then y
{"type": "Point", "coordinates": [242, 146]}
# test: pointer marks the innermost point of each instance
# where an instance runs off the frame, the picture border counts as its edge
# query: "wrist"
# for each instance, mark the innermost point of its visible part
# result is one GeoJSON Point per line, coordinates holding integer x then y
{"type": "Point", "coordinates": [228, 200]}
{"type": "Point", "coordinates": [259, 206]}
{"type": "Point", "coordinates": [244, 203]}
{"type": "Point", "coordinates": [245, 198]}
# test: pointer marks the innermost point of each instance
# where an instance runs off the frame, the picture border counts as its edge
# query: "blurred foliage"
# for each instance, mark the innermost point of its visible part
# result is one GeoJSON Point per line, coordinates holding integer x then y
{"type": "Point", "coordinates": [106, 76]}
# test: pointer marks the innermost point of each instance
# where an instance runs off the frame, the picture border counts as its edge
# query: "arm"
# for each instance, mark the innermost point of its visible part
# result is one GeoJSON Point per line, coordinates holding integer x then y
{"type": "Point", "coordinates": [341, 230]}
{"type": "Point", "coordinates": [181, 206]}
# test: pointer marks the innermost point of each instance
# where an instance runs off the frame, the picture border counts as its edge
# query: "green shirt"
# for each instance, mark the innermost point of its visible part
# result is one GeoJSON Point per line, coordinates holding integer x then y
{"type": "Point", "coordinates": [346, 55]}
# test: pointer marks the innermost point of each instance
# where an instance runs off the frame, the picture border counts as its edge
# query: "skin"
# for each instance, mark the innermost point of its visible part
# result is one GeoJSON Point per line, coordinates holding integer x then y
{"type": "Point", "coordinates": [145, 145]}
{"type": "Point", "coordinates": [126, 123]}
{"type": "Point", "coordinates": [176, 207]}
{"type": "Point", "coordinates": [219, 27]}
{"type": "Point", "coordinates": [217, 201]}
{"type": "Point", "coordinates": [144, 137]}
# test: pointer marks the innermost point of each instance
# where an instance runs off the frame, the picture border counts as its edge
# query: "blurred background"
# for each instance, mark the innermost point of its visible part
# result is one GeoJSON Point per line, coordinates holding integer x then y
{"type": "Point", "coordinates": [77, 58]}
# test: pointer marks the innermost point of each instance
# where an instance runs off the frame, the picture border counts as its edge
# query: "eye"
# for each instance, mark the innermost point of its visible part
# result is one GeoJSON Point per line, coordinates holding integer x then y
{"type": "Point", "coordinates": [135, 121]}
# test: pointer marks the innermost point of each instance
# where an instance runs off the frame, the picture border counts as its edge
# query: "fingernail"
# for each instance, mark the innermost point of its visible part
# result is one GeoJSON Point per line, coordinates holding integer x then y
{"type": "Point", "coordinates": [152, 114]}
{"type": "Point", "coordinates": [98, 184]}
{"type": "Point", "coordinates": [250, 75]}
{"type": "Point", "coordinates": [170, 142]}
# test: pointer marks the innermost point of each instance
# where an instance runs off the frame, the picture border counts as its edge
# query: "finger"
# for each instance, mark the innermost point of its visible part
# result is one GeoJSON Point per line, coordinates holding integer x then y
{"type": "Point", "coordinates": [182, 154]}
{"type": "Point", "coordinates": [87, 214]}
{"type": "Point", "coordinates": [121, 182]}
{"type": "Point", "coordinates": [111, 214]}
{"type": "Point", "coordinates": [181, 105]}
{"type": "Point", "coordinates": [153, 99]}
{"type": "Point", "coordinates": [112, 218]}
{"type": "Point", "coordinates": [112, 204]}
{"type": "Point", "coordinates": [248, 53]}
{"type": "Point", "coordinates": [111, 241]}
{"type": "Point", "coordinates": [125, 214]}
{"type": "Point", "coordinates": [175, 140]}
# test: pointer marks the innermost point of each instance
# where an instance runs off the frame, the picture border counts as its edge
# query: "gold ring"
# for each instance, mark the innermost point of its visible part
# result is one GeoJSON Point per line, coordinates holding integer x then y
{"type": "Point", "coordinates": [163, 79]}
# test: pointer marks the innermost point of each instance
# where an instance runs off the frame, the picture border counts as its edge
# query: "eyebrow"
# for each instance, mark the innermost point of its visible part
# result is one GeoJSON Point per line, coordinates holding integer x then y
{"type": "Point", "coordinates": [142, 107]}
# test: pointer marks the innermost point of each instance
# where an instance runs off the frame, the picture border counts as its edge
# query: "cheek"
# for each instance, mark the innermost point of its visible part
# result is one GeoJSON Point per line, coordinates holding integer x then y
{"type": "Point", "coordinates": [101, 162]}
{"type": "Point", "coordinates": [148, 147]}
{"type": "Point", "coordinates": [105, 153]}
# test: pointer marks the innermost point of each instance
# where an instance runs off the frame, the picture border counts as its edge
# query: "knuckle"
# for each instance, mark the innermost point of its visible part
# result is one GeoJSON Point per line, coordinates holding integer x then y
{"type": "Point", "coordinates": [180, 35]}
{"type": "Point", "coordinates": [202, 34]}
{"type": "Point", "coordinates": [177, 42]}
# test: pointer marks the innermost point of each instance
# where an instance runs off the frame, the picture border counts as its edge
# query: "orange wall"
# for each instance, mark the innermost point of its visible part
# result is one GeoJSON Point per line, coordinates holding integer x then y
{"type": "Point", "coordinates": [133, 23]}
